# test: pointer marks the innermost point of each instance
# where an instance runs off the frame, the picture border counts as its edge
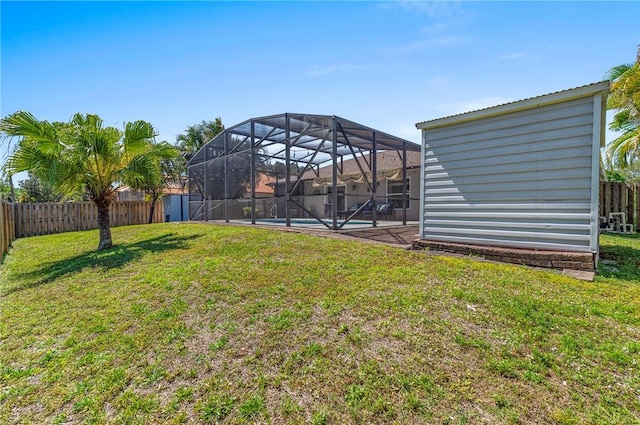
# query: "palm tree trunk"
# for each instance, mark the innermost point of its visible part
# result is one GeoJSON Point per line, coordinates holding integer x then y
{"type": "Point", "coordinates": [103, 223]}
{"type": "Point", "coordinates": [154, 198]}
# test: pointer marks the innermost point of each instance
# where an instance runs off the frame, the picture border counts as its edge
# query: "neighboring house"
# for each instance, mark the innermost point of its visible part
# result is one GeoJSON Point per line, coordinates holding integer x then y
{"type": "Point", "coordinates": [175, 189]}
{"type": "Point", "coordinates": [125, 193]}
{"type": "Point", "coordinates": [175, 200]}
{"type": "Point", "coordinates": [265, 186]}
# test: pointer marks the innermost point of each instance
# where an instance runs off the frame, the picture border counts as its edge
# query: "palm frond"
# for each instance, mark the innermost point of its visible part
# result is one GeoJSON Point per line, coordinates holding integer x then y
{"type": "Point", "coordinates": [615, 72]}
{"type": "Point", "coordinates": [24, 124]}
{"type": "Point", "coordinates": [83, 155]}
{"type": "Point", "coordinates": [624, 151]}
{"type": "Point", "coordinates": [624, 96]}
{"type": "Point", "coordinates": [137, 136]}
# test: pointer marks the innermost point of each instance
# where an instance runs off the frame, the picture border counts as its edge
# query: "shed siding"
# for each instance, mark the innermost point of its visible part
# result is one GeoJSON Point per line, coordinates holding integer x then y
{"type": "Point", "coordinates": [522, 179]}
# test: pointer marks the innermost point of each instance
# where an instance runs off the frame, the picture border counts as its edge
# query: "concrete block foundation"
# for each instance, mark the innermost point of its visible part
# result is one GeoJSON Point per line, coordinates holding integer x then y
{"type": "Point", "coordinates": [537, 258]}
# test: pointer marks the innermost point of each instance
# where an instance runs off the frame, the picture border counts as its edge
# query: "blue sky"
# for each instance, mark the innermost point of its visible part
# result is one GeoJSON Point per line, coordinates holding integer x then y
{"type": "Point", "coordinates": [387, 65]}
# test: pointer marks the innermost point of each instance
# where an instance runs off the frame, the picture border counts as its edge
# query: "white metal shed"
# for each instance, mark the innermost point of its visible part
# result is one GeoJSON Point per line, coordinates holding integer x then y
{"type": "Point", "coordinates": [519, 175]}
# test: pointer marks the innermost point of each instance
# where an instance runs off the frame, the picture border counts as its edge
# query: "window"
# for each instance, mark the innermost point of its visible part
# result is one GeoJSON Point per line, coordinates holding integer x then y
{"type": "Point", "coordinates": [394, 193]}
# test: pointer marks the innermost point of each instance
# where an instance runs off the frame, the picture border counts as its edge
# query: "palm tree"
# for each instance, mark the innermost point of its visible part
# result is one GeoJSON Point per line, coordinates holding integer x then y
{"type": "Point", "coordinates": [197, 135]}
{"type": "Point", "coordinates": [624, 96]}
{"type": "Point", "coordinates": [82, 155]}
{"type": "Point", "coordinates": [155, 182]}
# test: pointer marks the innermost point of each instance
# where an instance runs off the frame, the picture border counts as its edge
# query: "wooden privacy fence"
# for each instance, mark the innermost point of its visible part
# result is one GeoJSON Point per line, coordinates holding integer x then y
{"type": "Point", "coordinates": [42, 218]}
{"type": "Point", "coordinates": [7, 227]}
{"type": "Point", "coordinates": [620, 197]}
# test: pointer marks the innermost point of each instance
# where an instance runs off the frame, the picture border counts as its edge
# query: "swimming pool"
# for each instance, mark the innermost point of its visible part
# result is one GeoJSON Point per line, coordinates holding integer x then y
{"type": "Point", "coordinates": [305, 221]}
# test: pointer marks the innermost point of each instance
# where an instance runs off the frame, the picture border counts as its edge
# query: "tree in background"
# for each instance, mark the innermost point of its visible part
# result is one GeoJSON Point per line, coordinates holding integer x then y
{"type": "Point", "coordinates": [195, 136]}
{"type": "Point", "coordinates": [624, 97]}
{"type": "Point", "coordinates": [630, 174]}
{"type": "Point", "coordinates": [35, 189]}
{"type": "Point", "coordinates": [155, 183]}
{"type": "Point", "coordinates": [7, 192]}
{"type": "Point", "coordinates": [189, 143]}
{"type": "Point", "coordinates": [234, 172]}
{"type": "Point", "coordinates": [84, 156]}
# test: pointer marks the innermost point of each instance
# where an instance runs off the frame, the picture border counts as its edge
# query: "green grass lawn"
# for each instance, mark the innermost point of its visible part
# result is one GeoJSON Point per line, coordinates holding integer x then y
{"type": "Point", "coordinates": [189, 323]}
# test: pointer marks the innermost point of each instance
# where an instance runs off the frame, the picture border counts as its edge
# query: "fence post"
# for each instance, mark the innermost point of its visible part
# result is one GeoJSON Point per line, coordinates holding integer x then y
{"type": "Point", "coordinates": [637, 203]}
{"type": "Point", "coordinates": [606, 198]}
{"type": "Point", "coordinates": [601, 200]}
{"type": "Point", "coordinates": [3, 227]}
{"type": "Point", "coordinates": [14, 221]}
{"type": "Point", "coordinates": [7, 217]}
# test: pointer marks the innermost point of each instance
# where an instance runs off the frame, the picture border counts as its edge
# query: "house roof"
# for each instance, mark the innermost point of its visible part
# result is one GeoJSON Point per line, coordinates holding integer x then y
{"type": "Point", "coordinates": [169, 189]}
{"type": "Point", "coordinates": [265, 184]}
{"type": "Point", "coordinates": [520, 105]}
{"type": "Point", "coordinates": [175, 189]}
{"type": "Point", "coordinates": [387, 160]}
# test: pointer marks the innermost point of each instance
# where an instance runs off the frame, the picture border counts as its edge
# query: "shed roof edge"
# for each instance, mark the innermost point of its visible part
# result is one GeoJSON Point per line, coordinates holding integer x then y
{"type": "Point", "coordinates": [519, 105]}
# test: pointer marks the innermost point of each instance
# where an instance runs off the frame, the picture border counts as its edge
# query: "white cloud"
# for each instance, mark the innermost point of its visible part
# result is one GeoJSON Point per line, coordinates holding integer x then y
{"type": "Point", "coordinates": [316, 71]}
{"type": "Point", "coordinates": [433, 9]}
{"type": "Point", "coordinates": [440, 81]}
{"type": "Point", "coordinates": [512, 56]}
{"type": "Point", "coordinates": [519, 56]}
{"type": "Point", "coordinates": [437, 28]}
{"type": "Point", "coordinates": [432, 43]}
{"type": "Point", "coordinates": [407, 48]}
{"type": "Point", "coordinates": [446, 24]}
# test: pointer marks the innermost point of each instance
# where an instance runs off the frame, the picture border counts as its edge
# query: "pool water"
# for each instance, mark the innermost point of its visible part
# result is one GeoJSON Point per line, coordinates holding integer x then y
{"type": "Point", "coordinates": [305, 221]}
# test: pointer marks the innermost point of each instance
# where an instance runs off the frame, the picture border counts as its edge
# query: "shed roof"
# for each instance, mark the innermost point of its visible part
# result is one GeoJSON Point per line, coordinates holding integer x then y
{"type": "Point", "coordinates": [519, 105]}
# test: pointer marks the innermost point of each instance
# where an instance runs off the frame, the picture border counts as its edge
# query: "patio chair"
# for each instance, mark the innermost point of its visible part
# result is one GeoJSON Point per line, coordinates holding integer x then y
{"type": "Point", "coordinates": [385, 210]}
{"type": "Point", "coordinates": [353, 208]}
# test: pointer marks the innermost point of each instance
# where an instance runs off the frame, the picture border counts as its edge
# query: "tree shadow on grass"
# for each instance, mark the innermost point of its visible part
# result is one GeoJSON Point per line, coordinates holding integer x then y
{"type": "Point", "coordinates": [620, 262]}
{"type": "Point", "coordinates": [115, 257]}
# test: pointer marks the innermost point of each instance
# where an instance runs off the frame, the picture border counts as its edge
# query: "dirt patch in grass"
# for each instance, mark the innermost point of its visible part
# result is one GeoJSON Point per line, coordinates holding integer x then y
{"type": "Point", "coordinates": [398, 236]}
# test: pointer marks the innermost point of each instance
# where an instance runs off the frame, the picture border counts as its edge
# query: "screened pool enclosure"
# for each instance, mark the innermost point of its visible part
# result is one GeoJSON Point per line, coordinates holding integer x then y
{"type": "Point", "coordinates": [295, 169]}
